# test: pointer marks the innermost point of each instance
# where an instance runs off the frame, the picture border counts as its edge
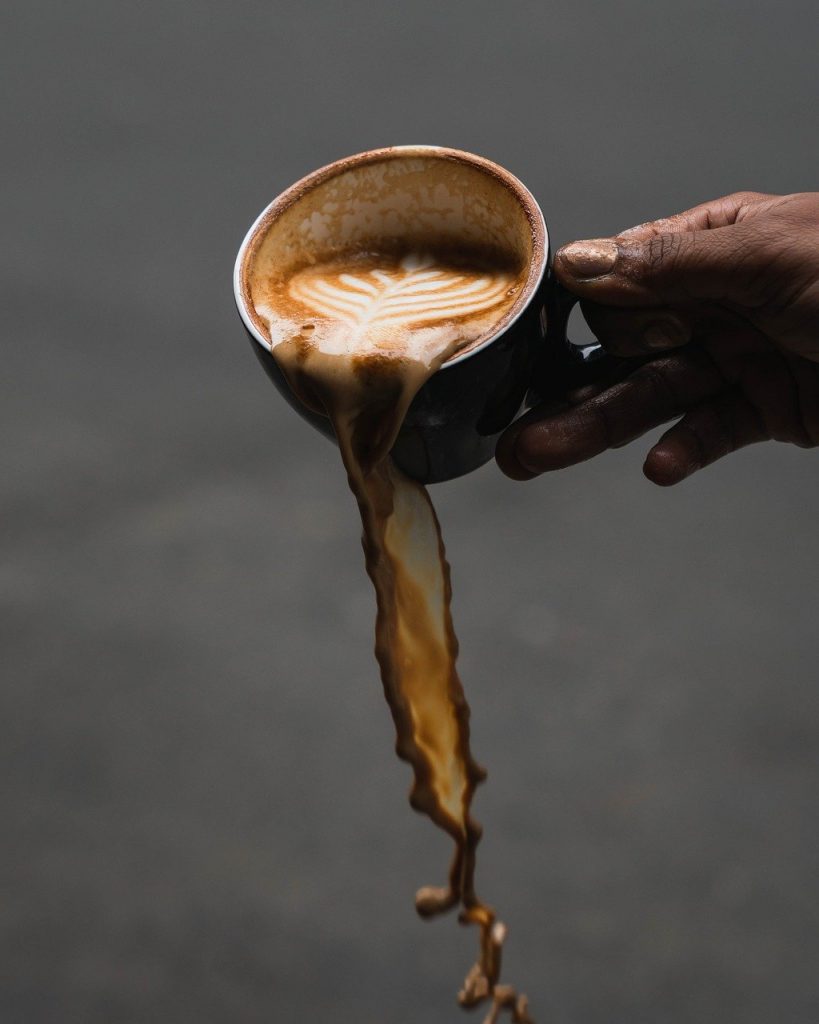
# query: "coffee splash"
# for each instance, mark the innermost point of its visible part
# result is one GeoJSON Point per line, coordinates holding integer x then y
{"type": "Point", "coordinates": [356, 339]}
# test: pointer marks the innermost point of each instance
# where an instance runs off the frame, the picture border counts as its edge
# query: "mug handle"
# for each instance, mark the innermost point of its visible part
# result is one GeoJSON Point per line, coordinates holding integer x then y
{"type": "Point", "coordinates": [560, 366]}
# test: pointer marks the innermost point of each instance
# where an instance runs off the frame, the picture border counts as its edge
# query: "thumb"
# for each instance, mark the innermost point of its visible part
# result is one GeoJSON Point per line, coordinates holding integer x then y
{"type": "Point", "coordinates": [679, 267]}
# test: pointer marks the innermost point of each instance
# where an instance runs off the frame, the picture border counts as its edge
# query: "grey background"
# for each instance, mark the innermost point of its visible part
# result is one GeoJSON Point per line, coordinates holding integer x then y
{"type": "Point", "coordinates": [202, 817]}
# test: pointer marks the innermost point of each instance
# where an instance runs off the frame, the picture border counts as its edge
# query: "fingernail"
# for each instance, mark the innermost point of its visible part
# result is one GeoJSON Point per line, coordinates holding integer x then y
{"type": "Point", "coordinates": [590, 258]}
{"type": "Point", "coordinates": [665, 334]}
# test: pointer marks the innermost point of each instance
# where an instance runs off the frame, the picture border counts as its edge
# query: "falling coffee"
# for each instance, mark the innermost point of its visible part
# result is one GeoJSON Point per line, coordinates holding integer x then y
{"type": "Point", "coordinates": [356, 338]}
{"type": "Point", "coordinates": [365, 283]}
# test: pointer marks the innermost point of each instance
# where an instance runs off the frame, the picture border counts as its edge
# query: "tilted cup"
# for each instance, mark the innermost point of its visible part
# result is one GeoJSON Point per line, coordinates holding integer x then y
{"type": "Point", "coordinates": [399, 197]}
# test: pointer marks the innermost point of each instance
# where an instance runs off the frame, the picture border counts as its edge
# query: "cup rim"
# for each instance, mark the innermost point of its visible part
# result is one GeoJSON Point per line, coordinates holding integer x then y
{"type": "Point", "coordinates": [255, 233]}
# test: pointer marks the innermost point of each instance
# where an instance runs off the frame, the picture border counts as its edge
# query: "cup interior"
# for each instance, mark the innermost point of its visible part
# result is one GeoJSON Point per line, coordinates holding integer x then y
{"type": "Point", "coordinates": [403, 198]}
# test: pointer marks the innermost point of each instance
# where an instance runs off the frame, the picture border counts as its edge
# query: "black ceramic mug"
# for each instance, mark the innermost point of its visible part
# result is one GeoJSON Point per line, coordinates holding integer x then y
{"type": "Point", "coordinates": [401, 194]}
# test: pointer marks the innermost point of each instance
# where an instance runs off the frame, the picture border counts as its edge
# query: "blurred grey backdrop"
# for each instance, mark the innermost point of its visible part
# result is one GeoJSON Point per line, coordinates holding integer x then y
{"type": "Point", "coordinates": [202, 816]}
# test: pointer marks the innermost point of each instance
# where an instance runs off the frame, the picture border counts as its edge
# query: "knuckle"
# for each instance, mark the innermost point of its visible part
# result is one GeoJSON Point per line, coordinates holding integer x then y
{"type": "Point", "coordinates": [662, 250]}
{"type": "Point", "coordinates": [718, 430]}
{"type": "Point", "coordinates": [694, 427]}
{"type": "Point", "coordinates": [657, 381]}
{"type": "Point", "coordinates": [731, 208]}
{"type": "Point", "coordinates": [603, 428]}
{"type": "Point", "coordinates": [740, 201]}
{"type": "Point", "coordinates": [529, 448]}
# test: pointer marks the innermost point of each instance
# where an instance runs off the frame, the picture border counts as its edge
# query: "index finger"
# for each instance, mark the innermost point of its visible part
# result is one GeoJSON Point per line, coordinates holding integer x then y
{"type": "Point", "coordinates": [716, 213]}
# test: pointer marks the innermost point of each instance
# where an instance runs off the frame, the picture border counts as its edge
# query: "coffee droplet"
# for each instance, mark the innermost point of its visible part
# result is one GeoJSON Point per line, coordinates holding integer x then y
{"type": "Point", "coordinates": [432, 900]}
{"type": "Point", "coordinates": [476, 987]}
{"type": "Point", "coordinates": [387, 324]}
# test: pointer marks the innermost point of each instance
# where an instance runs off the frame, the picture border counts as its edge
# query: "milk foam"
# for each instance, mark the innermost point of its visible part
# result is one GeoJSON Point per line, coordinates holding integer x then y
{"type": "Point", "coordinates": [413, 307]}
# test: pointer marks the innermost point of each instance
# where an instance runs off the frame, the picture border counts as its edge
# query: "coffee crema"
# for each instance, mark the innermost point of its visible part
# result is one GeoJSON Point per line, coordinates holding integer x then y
{"type": "Point", "coordinates": [356, 337]}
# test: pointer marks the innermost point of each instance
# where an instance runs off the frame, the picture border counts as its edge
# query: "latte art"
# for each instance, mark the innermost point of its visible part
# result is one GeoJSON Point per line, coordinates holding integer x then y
{"type": "Point", "coordinates": [420, 304]}
{"type": "Point", "coordinates": [415, 293]}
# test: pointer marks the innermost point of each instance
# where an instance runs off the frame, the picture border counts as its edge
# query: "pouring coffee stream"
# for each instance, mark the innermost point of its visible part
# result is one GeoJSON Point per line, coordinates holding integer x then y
{"type": "Point", "coordinates": [361, 363]}
{"type": "Point", "coordinates": [401, 301]}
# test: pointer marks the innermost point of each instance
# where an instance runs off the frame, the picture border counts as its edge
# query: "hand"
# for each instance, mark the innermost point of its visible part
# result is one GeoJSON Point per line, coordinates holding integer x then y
{"type": "Point", "coordinates": [730, 291]}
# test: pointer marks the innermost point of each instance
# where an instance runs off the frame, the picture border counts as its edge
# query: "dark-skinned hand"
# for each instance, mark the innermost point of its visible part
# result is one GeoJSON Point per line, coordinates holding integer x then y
{"type": "Point", "coordinates": [727, 297]}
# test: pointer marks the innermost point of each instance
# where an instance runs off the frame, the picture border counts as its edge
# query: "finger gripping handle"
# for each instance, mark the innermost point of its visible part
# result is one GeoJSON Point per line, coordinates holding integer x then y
{"type": "Point", "coordinates": [562, 367]}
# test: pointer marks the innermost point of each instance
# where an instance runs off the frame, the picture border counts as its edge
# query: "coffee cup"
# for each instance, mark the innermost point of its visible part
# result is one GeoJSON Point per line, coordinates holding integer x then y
{"type": "Point", "coordinates": [401, 196]}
